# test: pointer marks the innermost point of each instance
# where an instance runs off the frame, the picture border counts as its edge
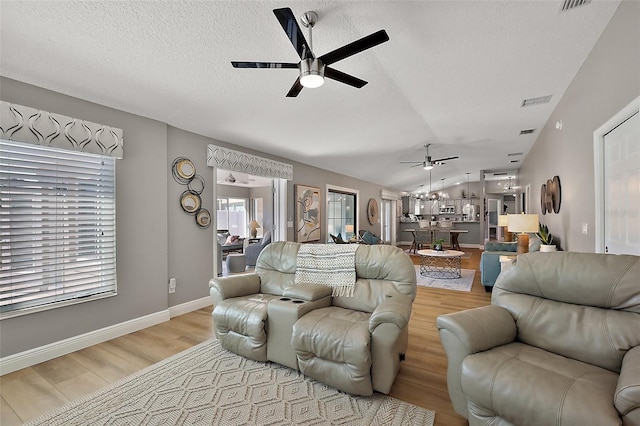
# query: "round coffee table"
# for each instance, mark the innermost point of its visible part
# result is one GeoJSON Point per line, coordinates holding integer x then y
{"type": "Point", "coordinates": [441, 264]}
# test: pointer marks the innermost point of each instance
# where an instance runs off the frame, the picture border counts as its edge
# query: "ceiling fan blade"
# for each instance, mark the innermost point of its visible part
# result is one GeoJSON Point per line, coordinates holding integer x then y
{"type": "Point", "coordinates": [336, 75]}
{"type": "Point", "coordinates": [355, 47]}
{"type": "Point", "coordinates": [418, 165]}
{"type": "Point", "coordinates": [411, 162]}
{"type": "Point", "coordinates": [239, 64]}
{"type": "Point", "coordinates": [293, 31]}
{"type": "Point", "coordinates": [445, 159]}
{"type": "Point", "coordinates": [295, 89]}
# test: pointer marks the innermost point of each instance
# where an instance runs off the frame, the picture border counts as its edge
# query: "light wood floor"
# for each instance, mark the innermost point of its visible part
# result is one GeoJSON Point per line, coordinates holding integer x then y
{"type": "Point", "coordinates": [34, 391]}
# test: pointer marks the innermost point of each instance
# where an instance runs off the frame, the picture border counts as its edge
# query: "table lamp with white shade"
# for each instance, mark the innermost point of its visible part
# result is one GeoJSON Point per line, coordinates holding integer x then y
{"type": "Point", "coordinates": [523, 224]}
{"type": "Point", "coordinates": [253, 226]}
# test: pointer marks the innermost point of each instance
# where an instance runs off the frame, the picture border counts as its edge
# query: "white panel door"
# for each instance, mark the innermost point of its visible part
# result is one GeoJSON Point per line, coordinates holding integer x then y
{"type": "Point", "coordinates": [622, 188]}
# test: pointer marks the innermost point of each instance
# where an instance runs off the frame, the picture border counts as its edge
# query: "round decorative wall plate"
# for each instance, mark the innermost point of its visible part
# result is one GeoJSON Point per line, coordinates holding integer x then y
{"type": "Point", "coordinates": [543, 201]}
{"type": "Point", "coordinates": [183, 170]}
{"type": "Point", "coordinates": [203, 218]}
{"type": "Point", "coordinates": [555, 191]}
{"type": "Point", "coordinates": [190, 202]}
{"type": "Point", "coordinates": [372, 211]}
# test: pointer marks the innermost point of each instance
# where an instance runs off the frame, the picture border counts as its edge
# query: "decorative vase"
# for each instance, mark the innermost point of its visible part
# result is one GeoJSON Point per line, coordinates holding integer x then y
{"type": "Point", "coordinates": [547, 248]}
{"type": "Point", "coordinates": [437, 247]}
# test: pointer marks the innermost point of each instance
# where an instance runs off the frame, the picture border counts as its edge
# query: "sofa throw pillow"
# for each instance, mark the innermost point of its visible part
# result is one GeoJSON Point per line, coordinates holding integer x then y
{"type": "Point", "coordinates": [369, 238]}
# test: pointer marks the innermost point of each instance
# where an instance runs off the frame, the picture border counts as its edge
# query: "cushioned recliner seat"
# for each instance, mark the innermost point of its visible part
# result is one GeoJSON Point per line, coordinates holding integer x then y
{"type": "Point", "coordinates": [354, 344]}
{"type": "Point", "coordinates": [335, 344]}
{"type": "Point", "coordinates": [559, 345]}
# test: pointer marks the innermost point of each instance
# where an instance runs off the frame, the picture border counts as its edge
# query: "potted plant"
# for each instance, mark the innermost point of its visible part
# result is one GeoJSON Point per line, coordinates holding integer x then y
{"type": "Point", "coordinates": [437, 244]}
{"type": "Point", "coordinates": [545, 238]}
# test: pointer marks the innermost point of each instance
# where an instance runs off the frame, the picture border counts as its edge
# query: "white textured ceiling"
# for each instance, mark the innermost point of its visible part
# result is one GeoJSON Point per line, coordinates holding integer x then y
{"type": "Point", "coordinates": [453, 74]}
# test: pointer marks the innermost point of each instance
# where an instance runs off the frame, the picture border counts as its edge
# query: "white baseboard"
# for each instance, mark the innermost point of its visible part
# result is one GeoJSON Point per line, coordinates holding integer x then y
{"type": "Point", "coordinates": [187, 307]}
{"type": "Point", "coordinates": [40, 354]}
{"type": "Point", "coordinates": [44, 353]}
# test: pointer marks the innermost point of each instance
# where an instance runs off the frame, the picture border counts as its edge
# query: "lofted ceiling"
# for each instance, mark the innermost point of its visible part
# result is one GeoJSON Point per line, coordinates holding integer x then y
{"type": "Point", "coordinates": [454, 74]}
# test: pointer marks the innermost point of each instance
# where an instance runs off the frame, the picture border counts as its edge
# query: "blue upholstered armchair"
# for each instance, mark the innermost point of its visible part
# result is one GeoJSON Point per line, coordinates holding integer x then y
{"type": "Point", "coordinates": [490, 260]}
{"type": "Point", "coordinates": [251, 252]}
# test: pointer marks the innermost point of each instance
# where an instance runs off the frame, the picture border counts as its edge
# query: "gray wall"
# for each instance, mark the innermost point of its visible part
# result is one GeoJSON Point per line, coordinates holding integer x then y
{"type": "Point", "coordinates": [190, 247]}
{"type": "Point", "coordinates": [608, 80]}
{"type": "Point", "coordinates": [155, 238]}
{"type": "Point", "coordinates": [142, 246]}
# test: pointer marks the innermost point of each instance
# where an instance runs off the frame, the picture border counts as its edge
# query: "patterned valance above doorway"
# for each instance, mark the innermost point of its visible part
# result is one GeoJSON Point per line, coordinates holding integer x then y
{"type": "Point", "coordinates": [29, 125]}
{"type": "Point", "coordinates": [237, 161]}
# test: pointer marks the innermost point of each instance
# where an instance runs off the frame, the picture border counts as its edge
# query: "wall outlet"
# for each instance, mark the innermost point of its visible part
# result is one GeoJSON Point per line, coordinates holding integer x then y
{"type": "Point", "coordinates": [172, 285]}
{"type": "Point", "coordinates": [585, 228]}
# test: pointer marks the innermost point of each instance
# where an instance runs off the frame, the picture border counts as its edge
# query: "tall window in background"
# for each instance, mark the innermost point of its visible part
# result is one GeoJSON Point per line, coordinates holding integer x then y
{"type": "Point", "coordinates": [232, 216]}
{"type": "Point", "coordinates": [341, 214]}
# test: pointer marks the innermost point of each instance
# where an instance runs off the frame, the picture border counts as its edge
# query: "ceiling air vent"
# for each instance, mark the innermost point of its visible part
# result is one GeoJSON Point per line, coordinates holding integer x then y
{"type": "Point", "coordinates": [514, 161]}
{"type": "Point", "coordinates": [570, 4]}
{"type": "Point", "coordinates": [527, 131]}
{"type": "Point", "coordinates": [536, 101]}
{"type": "Point", "coordinates": [513, 154]}
{"type": "Point", "coordinates": [501, 174]}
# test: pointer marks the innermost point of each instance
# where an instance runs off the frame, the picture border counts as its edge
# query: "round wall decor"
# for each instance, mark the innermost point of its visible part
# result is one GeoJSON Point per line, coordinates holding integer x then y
{"type": "Point", "coordinates": [203, 218]}
{"type": "Point", "coordinates": [372, 211]}
{"type": "Point", "coordinates": [190, 202]}
{"type": "Point", "coordinates": [183, 170]}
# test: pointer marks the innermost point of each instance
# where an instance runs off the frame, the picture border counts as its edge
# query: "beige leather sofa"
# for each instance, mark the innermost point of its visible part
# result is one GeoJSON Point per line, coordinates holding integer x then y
{"type": "Point", "coordinates": [354, 344]}
{"type": "Point", "coordinates": [559, 344]}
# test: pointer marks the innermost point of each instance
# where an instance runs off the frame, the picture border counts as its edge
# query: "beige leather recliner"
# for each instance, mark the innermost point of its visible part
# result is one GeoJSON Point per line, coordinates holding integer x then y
{"type": "Point", "coordinates": [559, 344]}
{"type": "Point", "coordinates": [354, 344]}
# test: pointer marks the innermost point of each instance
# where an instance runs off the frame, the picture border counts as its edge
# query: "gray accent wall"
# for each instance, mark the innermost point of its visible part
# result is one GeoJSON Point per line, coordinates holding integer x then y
{"type": "Point", "coordinates": [608, 80]}
{"type": "Point", "coordinates": [141, 234]}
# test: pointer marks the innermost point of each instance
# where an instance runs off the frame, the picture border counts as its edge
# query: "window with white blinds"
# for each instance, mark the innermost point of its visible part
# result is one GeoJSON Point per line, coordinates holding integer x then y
{"type": "Point", "coordinates": [57, 227]}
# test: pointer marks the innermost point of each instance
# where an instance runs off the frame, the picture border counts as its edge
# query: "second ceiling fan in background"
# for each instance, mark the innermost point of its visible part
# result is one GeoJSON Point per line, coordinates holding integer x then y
{"type": "Point", "coordinates": [313, 69]}
{"type": "Point", "coordinates": [428, 162]}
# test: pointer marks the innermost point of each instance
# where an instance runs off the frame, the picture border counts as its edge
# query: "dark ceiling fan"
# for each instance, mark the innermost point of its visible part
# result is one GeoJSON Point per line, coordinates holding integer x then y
{"type": "Point", "coordinates": [314, 69]}
{"type": "Point", "coordinates": [428, 162]}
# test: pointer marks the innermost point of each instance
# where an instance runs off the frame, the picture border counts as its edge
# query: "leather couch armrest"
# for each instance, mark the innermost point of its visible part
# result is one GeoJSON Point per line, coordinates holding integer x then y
{"type": "Point", "coordinates": [467, 332]}
{"type": "Point", "coordinates": [395, 310]}
{"type": "Point", "coordinates": [222, 288]}
{"type": "Point", "coordinates": [627, 396]}
{"type": "Point", "coordinates": [479, 329]}
{"type": "Point", "coordinates": [308, 292]}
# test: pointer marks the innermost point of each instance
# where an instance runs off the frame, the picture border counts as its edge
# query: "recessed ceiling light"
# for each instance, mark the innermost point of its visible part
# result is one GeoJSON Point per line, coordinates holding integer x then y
{"type": "Point", "coordinates": [536, 101]}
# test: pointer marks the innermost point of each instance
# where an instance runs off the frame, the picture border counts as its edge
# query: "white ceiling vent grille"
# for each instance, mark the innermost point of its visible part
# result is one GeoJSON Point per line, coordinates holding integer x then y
{"type": "Point", "coordinates": [570, 4]}
{"type": "Point", "coordinates": [513, 154]}
{"type": "Point", "coordinates": [536, 101]}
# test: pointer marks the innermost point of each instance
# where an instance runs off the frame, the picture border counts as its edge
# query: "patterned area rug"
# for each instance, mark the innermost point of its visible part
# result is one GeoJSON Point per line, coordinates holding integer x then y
{"type": "Point", "coordinates": [206, 385]}
{"type": "Point", "coordinates": [460, 284]}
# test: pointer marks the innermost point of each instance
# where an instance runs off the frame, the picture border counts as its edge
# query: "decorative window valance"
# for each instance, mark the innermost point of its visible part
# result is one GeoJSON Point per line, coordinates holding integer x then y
{"type": "Point", "coordinates": [24, 124]}
{"type": "Point", "coordinates": [228, 159]}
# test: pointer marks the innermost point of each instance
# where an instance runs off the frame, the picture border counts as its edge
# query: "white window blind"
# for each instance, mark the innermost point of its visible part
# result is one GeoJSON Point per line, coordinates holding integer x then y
{"type": "Point", "coordinates": [57, 227]}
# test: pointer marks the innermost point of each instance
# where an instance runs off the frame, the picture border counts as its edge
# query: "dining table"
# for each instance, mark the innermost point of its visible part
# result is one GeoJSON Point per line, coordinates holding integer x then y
{"type": "Point", "coordinates": [453, 234]}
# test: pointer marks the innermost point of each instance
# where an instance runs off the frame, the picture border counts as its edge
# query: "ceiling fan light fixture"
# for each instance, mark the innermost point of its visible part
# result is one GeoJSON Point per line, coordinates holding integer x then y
{"type": "Point", "coordinates": [311, 73]}
{"type": "Point", "coordinates": [427, 166]}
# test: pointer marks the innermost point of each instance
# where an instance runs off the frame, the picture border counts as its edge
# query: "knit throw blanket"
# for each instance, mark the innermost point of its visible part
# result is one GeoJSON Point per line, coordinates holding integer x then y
{"type": "Point", "coordinates": [333, 265]}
